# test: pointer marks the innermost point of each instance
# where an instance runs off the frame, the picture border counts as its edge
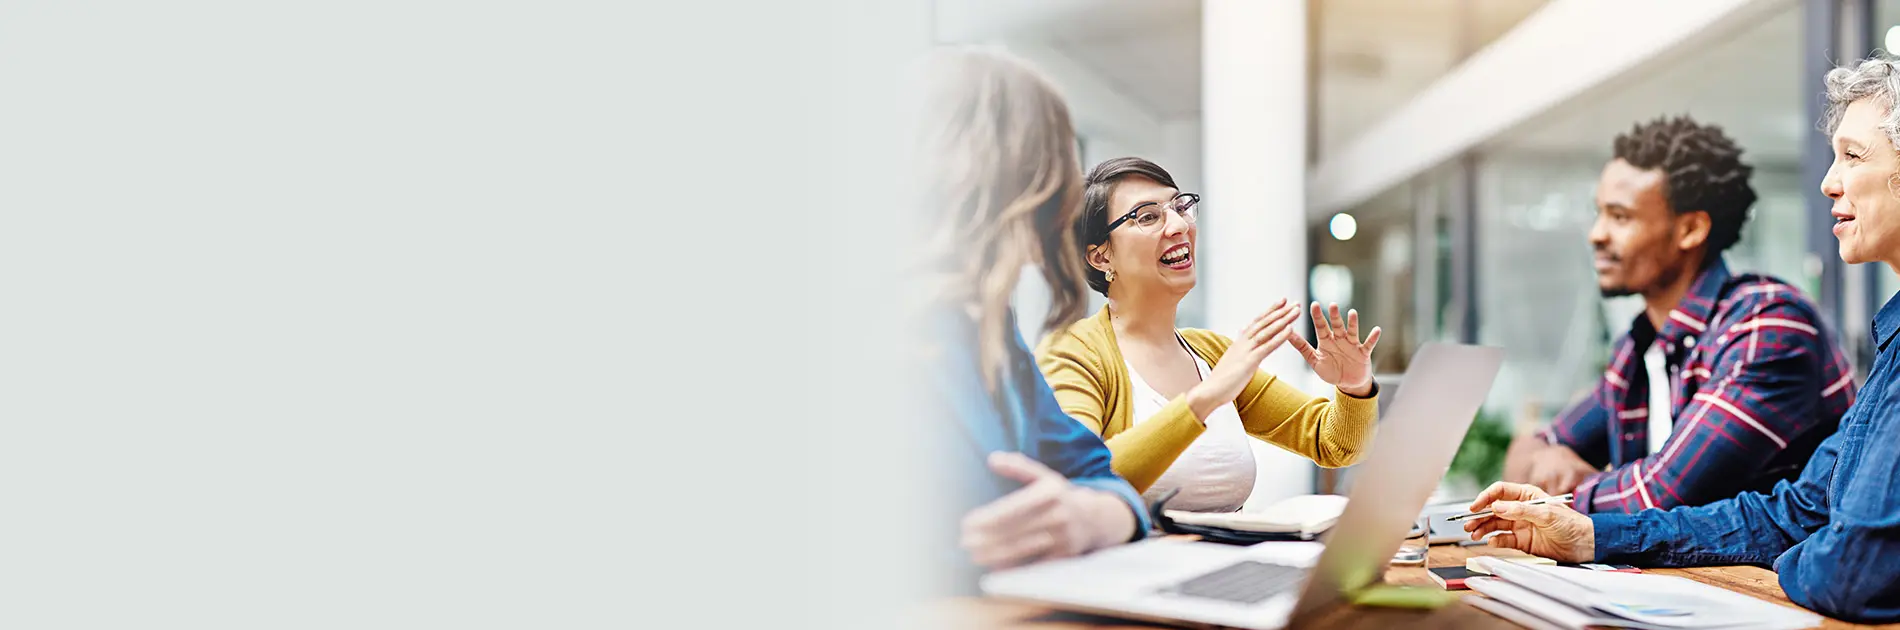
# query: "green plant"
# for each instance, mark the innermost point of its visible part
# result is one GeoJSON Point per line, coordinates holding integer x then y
{"type": "Point", "coordinates": [1480, 458]}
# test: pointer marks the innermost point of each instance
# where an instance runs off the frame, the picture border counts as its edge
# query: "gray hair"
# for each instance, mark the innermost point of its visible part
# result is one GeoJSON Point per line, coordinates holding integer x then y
{"type": "Point", "coordinates": [1876, 78]}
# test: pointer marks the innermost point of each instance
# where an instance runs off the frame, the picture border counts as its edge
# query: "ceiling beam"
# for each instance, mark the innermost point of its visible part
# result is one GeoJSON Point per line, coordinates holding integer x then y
{"type": "Point", "coordinates": [1563, 52]}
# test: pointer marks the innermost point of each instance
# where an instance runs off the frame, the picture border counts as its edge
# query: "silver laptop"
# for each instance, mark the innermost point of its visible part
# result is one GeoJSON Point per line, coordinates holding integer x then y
{"type": "Point", "coordinates": [1262, 587]}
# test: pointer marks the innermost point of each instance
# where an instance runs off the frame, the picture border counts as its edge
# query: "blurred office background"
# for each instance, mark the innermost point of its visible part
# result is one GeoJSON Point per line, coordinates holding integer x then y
{"type": "Point", "coordinates": [1431, 162]}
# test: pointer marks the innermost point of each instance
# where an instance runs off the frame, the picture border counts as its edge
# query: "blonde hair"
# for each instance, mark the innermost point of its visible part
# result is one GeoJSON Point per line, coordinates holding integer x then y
{"type": "Point", "coordinates": [1002, 186]}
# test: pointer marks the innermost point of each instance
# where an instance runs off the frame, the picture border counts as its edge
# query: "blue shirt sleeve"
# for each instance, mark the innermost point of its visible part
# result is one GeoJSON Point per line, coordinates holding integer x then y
{"type": "Point", "coordinates": [1845, 568]}
{"type": "Point", "coordinates": [1068, 447]}
{"type": "Point", "coordinates": [1751, 528]}
{"type": "Point", "coordinates": [1832, 535]}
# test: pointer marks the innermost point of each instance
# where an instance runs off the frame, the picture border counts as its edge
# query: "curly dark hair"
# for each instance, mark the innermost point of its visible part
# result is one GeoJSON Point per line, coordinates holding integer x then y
{"type": "Point", "coordinates": [1703, 171]}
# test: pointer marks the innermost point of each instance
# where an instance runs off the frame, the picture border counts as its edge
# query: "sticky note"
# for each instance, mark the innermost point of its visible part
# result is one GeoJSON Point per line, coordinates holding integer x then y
{"type": "Point", "coordinates": [1393, 596]}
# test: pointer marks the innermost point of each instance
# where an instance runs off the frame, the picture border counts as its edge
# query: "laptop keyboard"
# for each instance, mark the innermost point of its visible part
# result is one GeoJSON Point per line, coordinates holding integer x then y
{"type": "Point", "coordinates": [1246, 582]}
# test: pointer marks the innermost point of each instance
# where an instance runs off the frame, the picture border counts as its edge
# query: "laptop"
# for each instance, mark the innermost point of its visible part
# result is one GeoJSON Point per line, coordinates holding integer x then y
{"type": "Point", "coordinates": [1263, 587]}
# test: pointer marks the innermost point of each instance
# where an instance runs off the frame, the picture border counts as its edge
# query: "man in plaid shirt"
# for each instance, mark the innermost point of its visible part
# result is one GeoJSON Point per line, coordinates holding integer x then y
{"type": "Point", "coordinates": [1726, 383]}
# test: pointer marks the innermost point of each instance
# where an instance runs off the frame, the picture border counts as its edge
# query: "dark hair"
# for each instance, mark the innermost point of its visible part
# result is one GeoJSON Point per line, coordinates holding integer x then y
{"type": "Point", "coordinates": [1703, 171]}
{"type": "Point", "coordinates": [1097, 187]}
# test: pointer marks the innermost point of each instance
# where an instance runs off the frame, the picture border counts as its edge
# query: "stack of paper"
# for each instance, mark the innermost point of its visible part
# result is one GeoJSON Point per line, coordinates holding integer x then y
{"type": "Point", "coordinates": [1578, 598]}
{"type": "Point", "coordinates": [1307, 515]}
{"type": "Point", "coordinates": [1478, 567]}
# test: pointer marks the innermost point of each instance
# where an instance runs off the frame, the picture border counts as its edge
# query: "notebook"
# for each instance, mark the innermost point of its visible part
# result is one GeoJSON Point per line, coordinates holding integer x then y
{"type": "Point", "coordinates": [1306, 515]}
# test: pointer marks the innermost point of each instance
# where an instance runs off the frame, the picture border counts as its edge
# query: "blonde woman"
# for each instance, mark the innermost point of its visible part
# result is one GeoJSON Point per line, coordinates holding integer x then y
{"type": "Point", "coordinates": [1000, 182]}
{"type": "Point", "coordinates": [1179, 407]}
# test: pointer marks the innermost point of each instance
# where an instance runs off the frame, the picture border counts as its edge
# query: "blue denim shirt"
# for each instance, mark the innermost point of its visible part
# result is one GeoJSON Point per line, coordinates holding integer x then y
{"type": "Point", "coordinates": [1833, 534]}
{"type": "Point", "coordinates": [1021, 416]}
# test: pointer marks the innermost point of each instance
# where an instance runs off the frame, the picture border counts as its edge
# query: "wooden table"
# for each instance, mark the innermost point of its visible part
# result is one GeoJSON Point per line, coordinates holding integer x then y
{"type": "Point", "coordinates": [983, 613]}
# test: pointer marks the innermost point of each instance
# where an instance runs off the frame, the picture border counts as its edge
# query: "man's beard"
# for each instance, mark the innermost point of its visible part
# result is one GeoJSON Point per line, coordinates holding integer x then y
{"type": "Point", "coordinates": [1616, 291]}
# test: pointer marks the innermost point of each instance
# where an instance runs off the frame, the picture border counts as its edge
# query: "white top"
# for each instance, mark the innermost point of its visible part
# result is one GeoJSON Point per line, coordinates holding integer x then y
{"type": "Point", "coordinates": [1660, 395]}
{"type": "Point", "coordinates": [1216, 472]}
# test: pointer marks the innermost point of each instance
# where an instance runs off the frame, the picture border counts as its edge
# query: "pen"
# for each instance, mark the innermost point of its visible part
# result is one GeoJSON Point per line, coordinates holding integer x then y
{"type": "Point", "coordinates": [1562, 498]}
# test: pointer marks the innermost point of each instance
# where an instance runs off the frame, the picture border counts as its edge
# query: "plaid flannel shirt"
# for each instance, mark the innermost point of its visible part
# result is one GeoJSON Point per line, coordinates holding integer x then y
{"type": "Point", "coordinates": [1758, 384]}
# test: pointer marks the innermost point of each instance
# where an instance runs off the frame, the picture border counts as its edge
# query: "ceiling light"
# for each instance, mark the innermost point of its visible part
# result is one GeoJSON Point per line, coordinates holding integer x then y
{"type": "Point", "coordinates": [1344, 226]}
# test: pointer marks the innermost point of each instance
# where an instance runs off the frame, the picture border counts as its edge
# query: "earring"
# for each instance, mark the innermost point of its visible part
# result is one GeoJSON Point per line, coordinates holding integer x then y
{"type": "Point", "coordinates": [1111, 275]}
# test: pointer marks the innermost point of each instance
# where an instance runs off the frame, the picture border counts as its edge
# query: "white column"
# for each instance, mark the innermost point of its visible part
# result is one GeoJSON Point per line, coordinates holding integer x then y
{"type": "Point", "coordinates": [1253, 103]}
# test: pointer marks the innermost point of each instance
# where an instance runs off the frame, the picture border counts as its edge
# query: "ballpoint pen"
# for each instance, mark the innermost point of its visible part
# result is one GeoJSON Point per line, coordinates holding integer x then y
{"type": "Point", "coordinates": [1562, 498]}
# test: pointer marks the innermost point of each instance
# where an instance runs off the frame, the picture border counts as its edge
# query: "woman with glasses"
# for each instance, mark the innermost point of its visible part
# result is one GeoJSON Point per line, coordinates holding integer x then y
{"type": "Point", "coordinates": [1177, 406]}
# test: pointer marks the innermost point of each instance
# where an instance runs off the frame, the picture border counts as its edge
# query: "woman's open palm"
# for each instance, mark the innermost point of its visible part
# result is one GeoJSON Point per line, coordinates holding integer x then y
{"type": "Point", "coordinates": [1339, 357]}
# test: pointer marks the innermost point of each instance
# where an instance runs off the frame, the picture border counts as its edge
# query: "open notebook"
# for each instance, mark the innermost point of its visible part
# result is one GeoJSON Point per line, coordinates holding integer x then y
{"type": "Point", "coordinates": [1306, 515]}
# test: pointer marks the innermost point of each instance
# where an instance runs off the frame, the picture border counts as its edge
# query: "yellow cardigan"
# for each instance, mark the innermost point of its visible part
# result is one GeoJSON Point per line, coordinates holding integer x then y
{"type": "Point", "coordinates": [1084, 366]}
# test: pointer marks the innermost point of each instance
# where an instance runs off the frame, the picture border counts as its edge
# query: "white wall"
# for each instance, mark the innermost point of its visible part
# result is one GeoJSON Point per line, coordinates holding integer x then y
{"type": "Point", "coordinates": [1101, 111]}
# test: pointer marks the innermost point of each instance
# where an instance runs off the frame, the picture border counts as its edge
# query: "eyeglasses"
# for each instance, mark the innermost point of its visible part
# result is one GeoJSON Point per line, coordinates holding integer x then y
{"type": "Point", "coordinates": [1149, 217]}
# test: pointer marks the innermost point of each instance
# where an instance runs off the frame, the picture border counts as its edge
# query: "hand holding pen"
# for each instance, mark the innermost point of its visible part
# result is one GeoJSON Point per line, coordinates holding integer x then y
{"type": "Point", "coordinates": [1528, 519]}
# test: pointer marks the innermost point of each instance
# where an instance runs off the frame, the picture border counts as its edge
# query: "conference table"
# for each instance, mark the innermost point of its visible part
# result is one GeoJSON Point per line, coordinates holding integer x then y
{"type": "Point", "coordinates": [990, 613]}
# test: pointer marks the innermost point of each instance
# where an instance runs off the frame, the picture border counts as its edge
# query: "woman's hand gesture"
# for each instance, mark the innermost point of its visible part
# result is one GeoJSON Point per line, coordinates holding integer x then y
{"type": "Point", "coordinates": [1340, 358]}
